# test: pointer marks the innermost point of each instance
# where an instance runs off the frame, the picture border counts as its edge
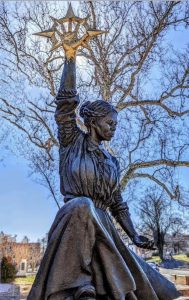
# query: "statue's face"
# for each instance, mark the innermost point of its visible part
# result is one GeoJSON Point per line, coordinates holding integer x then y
{"type": "Point", "coordinates": [105, 126]}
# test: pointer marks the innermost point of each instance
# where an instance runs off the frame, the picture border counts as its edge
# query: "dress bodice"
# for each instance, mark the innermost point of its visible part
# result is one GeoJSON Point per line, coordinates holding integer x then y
{"type": "Point", "coordinates": [88, 170]}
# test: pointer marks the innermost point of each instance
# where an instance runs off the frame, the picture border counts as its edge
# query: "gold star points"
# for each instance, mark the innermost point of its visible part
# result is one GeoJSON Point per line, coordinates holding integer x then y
{"type": "Point", "coordinates": [69, 39]}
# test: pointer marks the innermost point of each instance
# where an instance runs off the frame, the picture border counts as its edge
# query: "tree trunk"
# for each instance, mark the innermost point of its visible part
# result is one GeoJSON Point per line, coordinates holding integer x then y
{"type": "Point", "coordinates": [161, 245]}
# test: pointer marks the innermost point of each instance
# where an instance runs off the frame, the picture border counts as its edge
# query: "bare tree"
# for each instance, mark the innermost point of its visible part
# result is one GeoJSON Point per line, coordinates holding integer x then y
{"type": "Point", "coordinates": [177, 239]}
{"type": "Point", "coordinates": [158, 218]}
{"type": "Point", "coordinates": [133, 67]}
{"type": "Point", "coordinates": [43, 243]}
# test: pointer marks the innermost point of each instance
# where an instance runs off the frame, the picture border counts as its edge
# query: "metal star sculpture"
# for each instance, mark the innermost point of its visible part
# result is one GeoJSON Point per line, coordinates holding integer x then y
{"type": "Point", "coordinates": [69, 40]}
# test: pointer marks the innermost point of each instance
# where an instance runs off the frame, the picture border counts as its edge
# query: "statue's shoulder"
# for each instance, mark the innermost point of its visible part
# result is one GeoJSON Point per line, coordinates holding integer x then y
{"type": "Point", "coordinates": [115, 160]}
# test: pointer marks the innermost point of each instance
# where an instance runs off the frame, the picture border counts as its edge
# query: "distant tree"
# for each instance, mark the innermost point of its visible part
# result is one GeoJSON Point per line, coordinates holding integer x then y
{"type": "Point", "coordinates": [157, 218]}
{"type": "Point", "coordinates": [43, 243]}
{"type": "Point", "coordinates": [178, 231]}
{"type": "Point", "coordinates": [25, 240]}
{"type": "Point", "coordinates": [8, 270]}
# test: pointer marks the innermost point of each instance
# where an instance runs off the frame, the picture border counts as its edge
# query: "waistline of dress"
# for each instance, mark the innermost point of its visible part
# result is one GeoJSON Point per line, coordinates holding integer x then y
{"type": "Point", "coordinates": [97, 203]}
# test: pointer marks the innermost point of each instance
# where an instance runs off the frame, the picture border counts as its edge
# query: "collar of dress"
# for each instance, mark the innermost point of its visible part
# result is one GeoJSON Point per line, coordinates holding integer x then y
{"type": "Point", "coordinates": [91, 146]}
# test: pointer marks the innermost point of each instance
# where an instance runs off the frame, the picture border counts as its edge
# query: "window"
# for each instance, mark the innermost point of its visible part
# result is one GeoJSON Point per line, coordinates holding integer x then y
{"type": "Point", "coordinates": [22, 267]}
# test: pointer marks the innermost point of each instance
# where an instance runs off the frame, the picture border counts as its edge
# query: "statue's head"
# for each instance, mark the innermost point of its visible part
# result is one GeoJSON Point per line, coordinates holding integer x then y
{"type": "Point", "coordinates": [99, 117]}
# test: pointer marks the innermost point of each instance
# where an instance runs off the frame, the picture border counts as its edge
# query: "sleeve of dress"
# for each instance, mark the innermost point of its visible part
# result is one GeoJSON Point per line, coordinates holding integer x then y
{"type": "Point", "coordinates": [118, 204]}
{"type": "Point", "coordinates": [67, 101]}
{"type": "Point", "coordinates": [120, 211]}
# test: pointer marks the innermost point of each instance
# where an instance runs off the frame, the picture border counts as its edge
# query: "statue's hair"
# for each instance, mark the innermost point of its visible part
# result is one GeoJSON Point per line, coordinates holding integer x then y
{"type": "Point", "coordinates": [98, 108]}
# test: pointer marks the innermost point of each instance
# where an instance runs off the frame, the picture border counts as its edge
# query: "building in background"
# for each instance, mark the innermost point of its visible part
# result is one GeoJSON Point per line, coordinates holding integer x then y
{"type": "Point", "coordinates": [177, 243]}
{"type": "Point", "coordinates": [25, 256]}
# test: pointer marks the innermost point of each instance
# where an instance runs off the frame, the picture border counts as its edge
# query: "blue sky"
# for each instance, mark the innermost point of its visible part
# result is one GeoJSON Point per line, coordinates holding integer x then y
{"type": "Point", "coordinates": [25, 208]}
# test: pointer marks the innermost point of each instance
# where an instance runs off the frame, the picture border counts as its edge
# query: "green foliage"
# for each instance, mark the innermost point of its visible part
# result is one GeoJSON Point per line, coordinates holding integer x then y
{"type": "Point", "coordinates": [155, 254]}
{"type": "Point", "coordinates": [187, 254]}
{"type": "Point", "coordinates": [8, 270]}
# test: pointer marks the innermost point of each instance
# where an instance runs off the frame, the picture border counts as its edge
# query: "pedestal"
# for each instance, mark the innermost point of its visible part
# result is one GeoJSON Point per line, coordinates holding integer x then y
{"type": "Point", "coordinates": [9, 292]}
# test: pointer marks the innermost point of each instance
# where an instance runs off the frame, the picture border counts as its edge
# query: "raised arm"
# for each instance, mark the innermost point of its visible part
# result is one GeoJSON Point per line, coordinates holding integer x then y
{"type": "Point", "coordinates": [67, 100]}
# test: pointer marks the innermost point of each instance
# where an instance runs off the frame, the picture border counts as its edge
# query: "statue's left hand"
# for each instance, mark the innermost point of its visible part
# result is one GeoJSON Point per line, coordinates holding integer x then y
{"type": "Point", "coordinates": [143, 242]}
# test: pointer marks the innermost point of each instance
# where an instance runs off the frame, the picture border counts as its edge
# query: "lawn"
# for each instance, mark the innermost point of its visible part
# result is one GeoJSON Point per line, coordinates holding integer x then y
{"type": "Point", "coordinates": [24, 280]}
{"type": "Point", "coordinates": [154, 259]}
{"type": "Point", "coordinates": [180, 257]}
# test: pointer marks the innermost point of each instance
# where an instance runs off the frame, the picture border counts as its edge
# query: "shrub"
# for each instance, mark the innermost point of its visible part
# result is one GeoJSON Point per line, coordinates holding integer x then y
{"type": "Point", "coordinates": [156, 253]}
{"type": "Point", "coordinates": [187, 254]}
{"type": "Point", "coordinates": [8, 270]}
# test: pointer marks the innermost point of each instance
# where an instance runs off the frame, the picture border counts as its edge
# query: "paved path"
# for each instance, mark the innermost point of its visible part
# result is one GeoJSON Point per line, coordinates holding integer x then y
{"type": "Point", "coordinates": [174, 271]}
{"type": "Point", "coordinates": [168, 272]}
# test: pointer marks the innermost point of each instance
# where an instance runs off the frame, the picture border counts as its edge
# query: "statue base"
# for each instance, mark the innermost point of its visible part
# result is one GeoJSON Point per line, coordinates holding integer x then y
{"type": "Point", "coordinates": [9, 292]}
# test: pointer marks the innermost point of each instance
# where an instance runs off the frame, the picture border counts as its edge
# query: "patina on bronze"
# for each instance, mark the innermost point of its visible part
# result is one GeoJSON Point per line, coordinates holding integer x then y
{"type": "Point", "coordinates": [85, 256]}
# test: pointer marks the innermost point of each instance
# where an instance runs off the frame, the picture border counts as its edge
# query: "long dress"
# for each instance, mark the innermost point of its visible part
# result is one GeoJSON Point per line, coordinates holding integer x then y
{"type": "Point", "coordinates": [84, 247]}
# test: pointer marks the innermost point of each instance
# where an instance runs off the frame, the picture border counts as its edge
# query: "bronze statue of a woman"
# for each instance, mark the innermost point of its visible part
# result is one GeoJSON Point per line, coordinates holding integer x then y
{"type": "Point", "coordinates": [85, 257]}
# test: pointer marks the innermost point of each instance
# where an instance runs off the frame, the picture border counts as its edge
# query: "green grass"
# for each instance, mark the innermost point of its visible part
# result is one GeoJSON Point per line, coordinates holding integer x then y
{"type": "Point", "coordinates": [24, 280]}
{"type": "Point", "coordinates": [154, 259]}
{"type": "Point", "coordinates": [180, 257]}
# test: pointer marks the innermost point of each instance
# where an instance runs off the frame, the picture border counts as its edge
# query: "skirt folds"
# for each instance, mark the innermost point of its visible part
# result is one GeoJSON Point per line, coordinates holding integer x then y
{"type": "Point", "coordinates": [84, 248]}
